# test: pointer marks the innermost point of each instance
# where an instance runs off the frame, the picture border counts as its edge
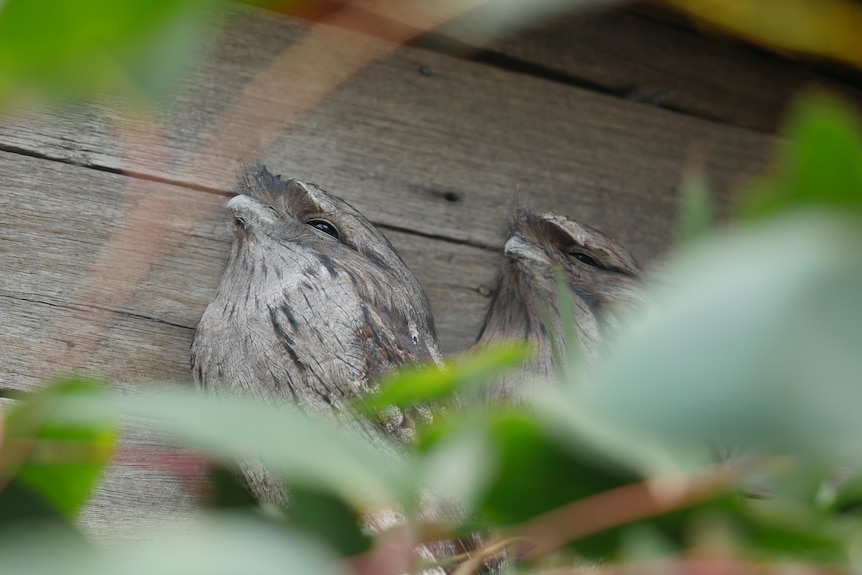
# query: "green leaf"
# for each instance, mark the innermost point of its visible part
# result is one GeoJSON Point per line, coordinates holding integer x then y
{"type": "Point", "coordinates": [757, 344]}
{"type": "Point", "coordinates": [329, 519]}
{"type": "Point", "coordinates": [848, 497]}
{"type": "Point", "coordinates": [228, 490]}
{"type": "Point", "coordinates": [61, 462]}
{"type": "Point", "coordinates": [459, 465]}
{"type": "Point", "coordinates": [214, 545]}
{"type": "Point", "coordinates": [571, 362]}
{"type": "Point", "coordinates": [541, 469]}
{"type": "Point", "coordinates": [428, 383]}
{"type": "Point", "coordinates": [307, 451]}
{"type": "Point", "coordinates": [19, 505]}
{"type": "Point", "coordinates": [171, 46]}
{"type": "Point", "coordinates": [645, 543]}
{"type": "Point", "coordinates": [819, 162]}
{"type": "Point", "coordinates": [78, 49]}
{"type": "Point", "coordinates": [791, 479]}
{"type": "Point", "coordinates": [695, 208]}
{"type": "Point", "coordinates": [538, 472]}
{"type": "Point", "coordinates": [573, 423]}
{"type": "Point", "coordinates": [775, 529]}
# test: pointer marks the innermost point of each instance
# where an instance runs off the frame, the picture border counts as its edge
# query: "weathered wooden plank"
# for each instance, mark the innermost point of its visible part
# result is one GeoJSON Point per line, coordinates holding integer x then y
{"type": "Point", "coordinates": [54, 219]}
{"type": "Point", "coordinates": [430, 143]}
{"type": "Point", "coordinates": [420, 142]}
{"type": "Point", "coordinates": [139, 492]}
{"type": "Point", "coordinates": [654, 62]}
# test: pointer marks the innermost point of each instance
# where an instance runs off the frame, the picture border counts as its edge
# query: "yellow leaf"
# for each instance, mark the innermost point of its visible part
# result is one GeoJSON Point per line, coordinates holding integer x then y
{"type": "Point", "coordinates": [823, 28]}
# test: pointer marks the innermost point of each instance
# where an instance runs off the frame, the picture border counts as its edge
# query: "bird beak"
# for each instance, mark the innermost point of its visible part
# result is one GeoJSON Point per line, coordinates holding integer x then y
{"type": "Point", "coordinates": [518, 248]}
{"type": "Point", "coordinates": [247, 210]}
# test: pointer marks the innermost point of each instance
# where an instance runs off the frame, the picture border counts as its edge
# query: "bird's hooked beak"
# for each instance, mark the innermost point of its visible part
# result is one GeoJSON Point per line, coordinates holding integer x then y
{"type": "Point", "coordinates": [518, 248]}
{"type": "Point", "coordinates": [247, 211]}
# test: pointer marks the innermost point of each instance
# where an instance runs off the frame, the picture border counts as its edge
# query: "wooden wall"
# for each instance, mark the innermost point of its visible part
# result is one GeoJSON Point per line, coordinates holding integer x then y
{"type": "Point", "coordinates": [595, 117]}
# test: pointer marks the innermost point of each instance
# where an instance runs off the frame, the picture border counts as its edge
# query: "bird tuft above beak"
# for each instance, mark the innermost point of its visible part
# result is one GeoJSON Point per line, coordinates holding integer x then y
{"type": "Point", "coordinates": [518, 248]}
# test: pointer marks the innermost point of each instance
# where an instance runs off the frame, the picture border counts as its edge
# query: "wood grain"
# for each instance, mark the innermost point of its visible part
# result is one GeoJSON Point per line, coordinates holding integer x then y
{"type": "Point", "coordinates": [432, 144]}
{"type": "Point", "coordinates": [47, 248]}
{"type": "Point", "coordinates": [654, 62]}
{"type": "Point", "coordinates": [435, 149]}
{"type": "Point", "coordinates": [50, 234]}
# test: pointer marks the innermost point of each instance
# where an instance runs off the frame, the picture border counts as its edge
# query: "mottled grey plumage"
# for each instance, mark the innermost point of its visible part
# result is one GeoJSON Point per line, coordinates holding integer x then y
{"type": "Point", "coordinates": [602, 277]}
{"type": "Point", "coordinates": [314, 306]}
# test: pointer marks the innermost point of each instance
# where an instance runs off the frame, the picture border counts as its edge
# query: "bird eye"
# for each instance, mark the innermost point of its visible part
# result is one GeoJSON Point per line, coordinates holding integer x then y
{"type": "Point", "coordinates": [584, 258]}
{"type": "Point", "coordinates": [324, 227]}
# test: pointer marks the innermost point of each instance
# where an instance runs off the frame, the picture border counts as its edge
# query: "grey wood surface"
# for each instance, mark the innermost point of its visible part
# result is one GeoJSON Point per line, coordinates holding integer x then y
{"type": "Point", "coordinates": [415, 131]}
{"type": "Point", "coordinates": [433, 148]}
{"type": "Point", "coordinates": [658, 63]}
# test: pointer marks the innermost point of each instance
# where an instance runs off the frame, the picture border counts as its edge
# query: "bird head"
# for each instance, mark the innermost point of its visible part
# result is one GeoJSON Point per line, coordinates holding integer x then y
{"type": "Point", "coordinates": [601, 276]}
{"type": "Point", "coordinates": [276, 211]}
{"type": "Point", "coordinates": [595, 267]}
{"type": "Point", "coordinates": [294, 240]}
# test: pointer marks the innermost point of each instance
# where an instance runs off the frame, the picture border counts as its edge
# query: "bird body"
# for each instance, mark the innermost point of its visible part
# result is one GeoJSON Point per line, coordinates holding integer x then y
{"type": "Point", "coordinates": [603, 282]}
{"type": "Point", "coordinates": [314, 306]}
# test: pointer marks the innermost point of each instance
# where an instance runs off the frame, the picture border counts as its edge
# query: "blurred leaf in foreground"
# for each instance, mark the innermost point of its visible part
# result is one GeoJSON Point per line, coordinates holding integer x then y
{"type": "Point", "coordinates": [758, 343]}
{"type": "Point", "coordinates": [505, 18]}
{"type": "Point", "coordinates": [307, 451]}
{"type": "Point", "coordinates": [695, 217]}
{"type": "Point", "coordinates": [228, 490]}
{"type": "Point", "coordinates": [773, 529]}
{"type": "Point", "coordinates": [20, 504]}
{"type": "Point", "coordinates": [535, 470]}
{"type": "Point", "coordinates": [538, 473]}
{"type": "Point", "coordinates": [847, 499]}
{"type": "Point", "coordinates": [818, 164]}
{"type": "Point", "coordinates": [215, 545]}
{"type": "Point", "coordinates": [329, 519]}
{"type": "Point", "coordinates": [58, 49]}
{"type": "Point", "coordinates": [57, 461]}
{"type": "Point", "coordinates": [459, 465]}
{"type": "Point", "coordinates": [826, 28]}
{"type": "Point", "coordinates": [429, 383]}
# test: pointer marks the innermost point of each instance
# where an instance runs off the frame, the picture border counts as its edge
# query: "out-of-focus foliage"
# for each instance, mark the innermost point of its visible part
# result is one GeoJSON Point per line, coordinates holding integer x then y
{"type": "Point", "coordinates": [753, 351]}
{"type": "Point", "coordinates": [411, 386]}
{"type": "Point", "coordinates": [53, 49]}
{"type": "Point", "coordinates": [820, 28]}
{"type": "Point", "coordinates": [818, 165]}
{"type": "Point", "coordinates": [307, 451]}
{"type": "Point", "coordinates": [758, 342]}
{"type": "Point", "coordinates": [696, 212]}
{"type": "Point", "coordinates": [230, 544]}
{"type": "Point", "coordinates": [56, 50]}
{"type": "Point", "coordinates": [49, 460]}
